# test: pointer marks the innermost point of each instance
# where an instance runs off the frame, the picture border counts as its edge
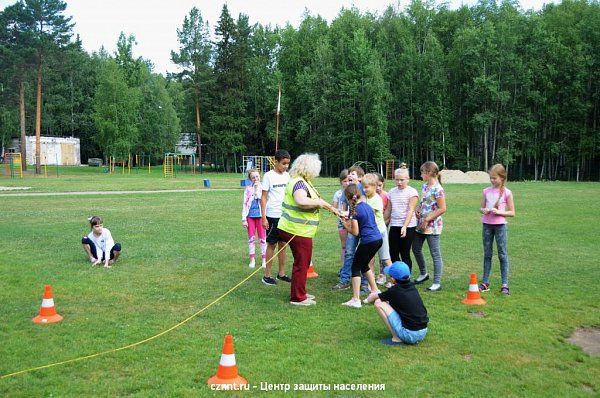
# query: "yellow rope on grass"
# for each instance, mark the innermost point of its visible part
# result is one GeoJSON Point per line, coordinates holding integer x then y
{"type": "Point", "coordinates": [149, 338]}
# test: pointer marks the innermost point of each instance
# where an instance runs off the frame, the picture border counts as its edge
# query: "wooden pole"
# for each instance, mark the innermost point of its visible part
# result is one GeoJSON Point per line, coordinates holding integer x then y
{"type": "Point", "coordinates": [38, 117]}
{"type": "Point", "coordinates": [277, 118]}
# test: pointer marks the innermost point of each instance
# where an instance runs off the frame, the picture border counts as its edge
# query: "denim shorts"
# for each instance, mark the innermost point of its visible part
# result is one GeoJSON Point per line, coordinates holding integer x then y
{"type": "Point", "coordinates": [407, 336]}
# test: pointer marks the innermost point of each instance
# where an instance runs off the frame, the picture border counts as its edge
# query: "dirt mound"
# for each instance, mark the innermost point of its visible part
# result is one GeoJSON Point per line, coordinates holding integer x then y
{"type": "Point", "coordinates": [479, 177]}
{"type": "Point", "coordinates": [458, 177]}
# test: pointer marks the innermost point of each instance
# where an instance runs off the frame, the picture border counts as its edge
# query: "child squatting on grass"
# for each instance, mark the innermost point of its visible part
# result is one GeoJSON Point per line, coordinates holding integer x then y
{"type": "Point", "coordinates": [99, 244]}
{"type": "Point", "coordinates": [251, 218]}
{"type": "Point", "coordinates": [497, 204]}
{"type": "Point", "coordinates": [401, 307]}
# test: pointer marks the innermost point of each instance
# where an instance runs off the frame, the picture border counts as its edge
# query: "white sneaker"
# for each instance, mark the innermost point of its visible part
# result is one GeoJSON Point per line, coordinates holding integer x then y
{"type": "Point", "coordinates": [310, 296]}
{"type": "Point", "coordinates": [435, 287]}
{"type": "Point", "coordinates": [421, 278]}
{"type": "Point", "coordinates": [264, 263]}
{"type": "Point", "coordinates": [305, 303]}
{"type": "Point", "coordinates": [252, 264]}
{"type": "Point", "coordinates": [353, 303]}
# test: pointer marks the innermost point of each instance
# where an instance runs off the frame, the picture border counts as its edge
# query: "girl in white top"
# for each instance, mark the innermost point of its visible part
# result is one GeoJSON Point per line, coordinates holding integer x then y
{"type": "Point", "coordinates": [401, 213]}
{"type": "Point", "coordinates": [99, 244]}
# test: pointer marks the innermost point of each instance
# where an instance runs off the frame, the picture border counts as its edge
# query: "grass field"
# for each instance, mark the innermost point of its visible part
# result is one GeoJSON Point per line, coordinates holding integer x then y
{"type": "Point", "coordinates": [182, 251]}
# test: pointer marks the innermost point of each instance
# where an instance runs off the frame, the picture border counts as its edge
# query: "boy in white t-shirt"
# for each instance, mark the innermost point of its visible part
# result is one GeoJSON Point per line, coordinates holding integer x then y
{"type": "Point", "coordinates": [273, 186]}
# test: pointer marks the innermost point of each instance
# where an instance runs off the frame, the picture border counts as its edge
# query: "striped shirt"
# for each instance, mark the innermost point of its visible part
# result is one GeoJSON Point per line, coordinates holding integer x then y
{"type": "Point", "coordinates": [399, 199]}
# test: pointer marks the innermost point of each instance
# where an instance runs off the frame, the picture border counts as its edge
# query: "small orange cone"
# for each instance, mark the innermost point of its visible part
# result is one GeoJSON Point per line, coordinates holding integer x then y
{"type": "Point", "coordinates": [311, 271]}
{"type": "Point", "coordinates": [473, 295]}
{"type": "Point", "coordinates": [47, 312]}
{"type": "Point", "coordinates": [227, 373]}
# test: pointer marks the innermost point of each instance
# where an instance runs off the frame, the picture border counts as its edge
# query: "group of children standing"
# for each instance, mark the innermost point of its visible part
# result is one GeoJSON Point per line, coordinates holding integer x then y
{"type": "Point", "coordinates": [372, 222]}
{"type": "Point", "coordinates": [413, 221]}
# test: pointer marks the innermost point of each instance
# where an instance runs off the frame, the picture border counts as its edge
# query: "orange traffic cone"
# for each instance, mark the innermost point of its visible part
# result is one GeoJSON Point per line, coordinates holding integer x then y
{"type": "Point", "coordinates": [311, 271]}
{"type": "Point", "coordinates": [473, 295]}
{"type": "Point", "coordinates": [227, 373]}
{"type": "Point", "coordinates": [47, 312]}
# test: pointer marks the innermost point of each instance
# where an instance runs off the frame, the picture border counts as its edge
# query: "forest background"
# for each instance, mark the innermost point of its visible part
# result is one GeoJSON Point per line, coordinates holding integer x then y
{"type": "Point", "coordinates": [466, 87]}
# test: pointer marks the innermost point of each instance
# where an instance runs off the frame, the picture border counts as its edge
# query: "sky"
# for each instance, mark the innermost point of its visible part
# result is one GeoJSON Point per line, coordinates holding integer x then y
{"type": "Point", "coordinates": [154, 23]}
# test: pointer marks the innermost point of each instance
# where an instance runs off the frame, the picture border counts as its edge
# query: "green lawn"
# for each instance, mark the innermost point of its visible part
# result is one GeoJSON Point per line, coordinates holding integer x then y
{"type": "Point", "coordinates": [181, 251]}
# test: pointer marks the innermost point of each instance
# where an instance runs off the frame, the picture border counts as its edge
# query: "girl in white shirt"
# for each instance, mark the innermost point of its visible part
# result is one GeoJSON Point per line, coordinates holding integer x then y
{"type": "Point", "coordinates": [403, 201]}
{"type": "Point", "coordinates": [99, 244]}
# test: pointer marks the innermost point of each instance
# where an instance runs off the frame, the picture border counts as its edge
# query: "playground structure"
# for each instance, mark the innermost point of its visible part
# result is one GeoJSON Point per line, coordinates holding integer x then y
{"type": "Point", "coordinates": [137, 162]}
{"type": "Point", "coordinates": [116, 163]}
{"type": "Point", "coordinates": [13, 165]}
{"type": "Point", "coordinates": [168, 165]}
{"type": "Point", "coordinates": [390, 166]}
{"type": "Point", "coordinates": [173, 159]}
{"type": "Point", "coordinates": [260, 163]}
{"type": "Point", "coordinates": [368, 167]}
{"type": "Point", "coordinates": [141, 160]}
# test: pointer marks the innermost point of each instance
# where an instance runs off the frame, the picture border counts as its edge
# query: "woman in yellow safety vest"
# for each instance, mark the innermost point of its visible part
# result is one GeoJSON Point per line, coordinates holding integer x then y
{"type": "Point", "coordinates": [299, 221]}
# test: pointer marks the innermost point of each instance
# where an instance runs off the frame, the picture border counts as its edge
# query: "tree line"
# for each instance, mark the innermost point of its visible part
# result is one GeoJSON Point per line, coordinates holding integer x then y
{"type": "Point", "coordinates": [467, 87]}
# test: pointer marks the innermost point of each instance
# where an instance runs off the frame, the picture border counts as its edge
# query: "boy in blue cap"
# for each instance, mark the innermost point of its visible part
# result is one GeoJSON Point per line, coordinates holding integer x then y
{"type": "Point", "coordinates": [401, 307]}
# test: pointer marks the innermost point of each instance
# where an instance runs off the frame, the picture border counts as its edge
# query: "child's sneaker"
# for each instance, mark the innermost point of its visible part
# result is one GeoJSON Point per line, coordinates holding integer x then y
{"type": "Point", "coordinates": [353, 303]}
{"type": "Point", "coordinates": [264, 263]}
{"type": "Point", "coordinates": [505, 290]}
{"type": "Point", "coordinates": [341, 286]}
{"type": "Point", "coordinates": [436, 287]}
{"type": "Point", "coordinates": [484, 287]}
{"type": "Point", "coordinates": [284, 278]}
{"type": "Point", "coordinates": [252, 264]}
{"type": "Point", "coordinates": [380, 279]}
{"type": "Point", "coordinates": [269, 281]}
{"type": "Point", "coordinates": [304, 303]}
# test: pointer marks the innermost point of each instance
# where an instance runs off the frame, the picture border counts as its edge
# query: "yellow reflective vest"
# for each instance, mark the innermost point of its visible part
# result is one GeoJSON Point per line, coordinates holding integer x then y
{"type": "Point", "coordinates": [295, 220]}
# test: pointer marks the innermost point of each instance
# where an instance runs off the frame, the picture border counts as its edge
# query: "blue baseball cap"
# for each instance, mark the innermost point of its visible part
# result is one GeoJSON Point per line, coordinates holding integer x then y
{"type": "Point", "coordinates": [397, 270]}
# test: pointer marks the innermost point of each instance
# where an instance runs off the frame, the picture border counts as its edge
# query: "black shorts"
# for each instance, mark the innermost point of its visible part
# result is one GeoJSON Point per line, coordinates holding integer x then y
{"type": "Point", "coordinates": [272, 234]}
{"type": "Point", "coordinates": [86, 241]}
{"type": "Point", "coordinates": [364, 253]}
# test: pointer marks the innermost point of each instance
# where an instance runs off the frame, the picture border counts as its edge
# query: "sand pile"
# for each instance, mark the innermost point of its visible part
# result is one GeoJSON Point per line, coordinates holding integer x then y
{"type": "Point", "coordinates": [458, 177]}
{"type": "Point", "coordinates": [479, 177]}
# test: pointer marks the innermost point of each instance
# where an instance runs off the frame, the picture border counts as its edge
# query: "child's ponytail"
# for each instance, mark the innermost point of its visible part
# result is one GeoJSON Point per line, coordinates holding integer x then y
{"type": "Point", "coordinates": [352, 194]}
{"type": "Point", "coordinates": [500, 171]}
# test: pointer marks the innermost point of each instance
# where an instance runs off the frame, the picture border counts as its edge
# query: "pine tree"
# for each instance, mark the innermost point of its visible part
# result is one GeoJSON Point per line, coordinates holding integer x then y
{"type": "Point", "coordinates": [194, 57]}
{"type": "Point", "coordinates": [51, 29]}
